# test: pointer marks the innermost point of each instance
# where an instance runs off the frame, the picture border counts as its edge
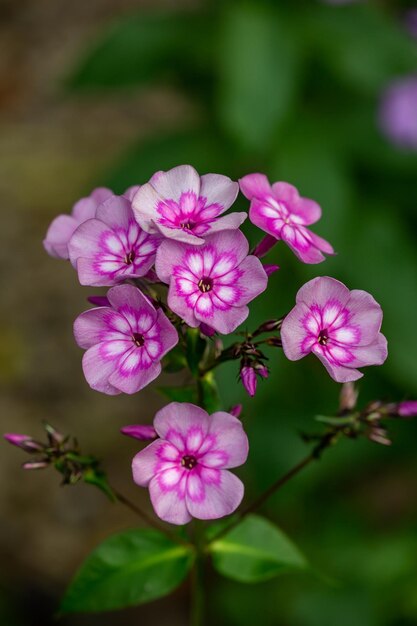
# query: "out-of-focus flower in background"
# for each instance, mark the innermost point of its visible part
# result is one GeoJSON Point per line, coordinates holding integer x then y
{"type": "Point", "coordinates": [398, 112]}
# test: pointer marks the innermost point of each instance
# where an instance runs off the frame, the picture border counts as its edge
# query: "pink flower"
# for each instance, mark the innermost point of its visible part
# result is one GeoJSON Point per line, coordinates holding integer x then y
{"type": "Point", "coordinates": [408, 408]}
{"type": "Point", "coordinates": [125, 341]}
{"type": "Point", "coordinates": [186, 470]}
{"type": "Point", "coordinates": [211, 283]}
{"type": "Point", "coordinates": [282, 213]}
{"type": "Point", "coordinates": [112, 247]}
{"type": "Point", "coordinates": [184, 206]}
{"type": "Point", "coordinates": [62, 227]}
{"type": "Point", "coordinates": [339, 326]}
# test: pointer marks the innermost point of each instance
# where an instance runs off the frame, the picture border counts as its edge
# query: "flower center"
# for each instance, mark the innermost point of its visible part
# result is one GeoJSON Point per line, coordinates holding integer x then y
{"type": "Point", "coordinates": [188, 461]}
{"type": "Point", "coordinates": [205, 284]}
{"type": "Point", "coordinates": [323, 337]}
{"type": "Point", "coordinates": [130, 257]}
{"type": "Point", "coordinates": [187, 225]}
{"type": "Point", "coordinates": [138, 339]}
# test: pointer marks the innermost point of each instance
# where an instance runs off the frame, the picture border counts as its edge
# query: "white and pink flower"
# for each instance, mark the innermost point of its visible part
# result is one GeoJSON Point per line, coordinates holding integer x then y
{"type": "Point", "coordinates": [63, 226]}
{"type": "Point", "coordinates": [212, 283]}
{"type": "Point", "coordinates": [187, 469]}
{"type": "Point", "coordinates": [282, 213]}
{"type": "Point", "coordinates": [112, 246]}
{"type": "Point", "coordinates": [341, 327]}
{"type": "Point", "coordinates": [184, 206]}
{"type": "Point", "coordinates": [125, 341]}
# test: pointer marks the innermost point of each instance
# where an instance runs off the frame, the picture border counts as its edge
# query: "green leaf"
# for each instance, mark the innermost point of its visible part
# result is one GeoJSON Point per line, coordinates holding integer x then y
{"type": "Point", "coordinates": [180, 394]}
{"type": "Point", "coordinates": [258, 73]}
{"type": "Point", "coordinates": [255, 551]}
{"type": "Point", "coordinates": [130, 568]}
{"type": "Point", "coordinates": [142, 48]}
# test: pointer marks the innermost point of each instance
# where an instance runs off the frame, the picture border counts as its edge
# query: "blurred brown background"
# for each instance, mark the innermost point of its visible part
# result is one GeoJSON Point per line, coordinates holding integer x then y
{"type": "Point", "coordinates": [289, 88]}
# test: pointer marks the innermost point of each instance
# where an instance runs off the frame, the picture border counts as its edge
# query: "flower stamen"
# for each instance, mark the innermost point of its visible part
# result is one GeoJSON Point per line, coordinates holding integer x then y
{"type": "Point", "coordinates": [138, 339]}
{"type": "Point", "coordinates": [205, 284]}
{"type": "Point", "coordinates": [323, 337]}
{"type": "Point", "coordinates": [130, 257]}
{"type": "Point", "coordinates": [188, 461]}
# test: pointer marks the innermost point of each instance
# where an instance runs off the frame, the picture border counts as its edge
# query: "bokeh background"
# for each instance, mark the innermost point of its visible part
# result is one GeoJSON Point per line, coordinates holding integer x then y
{"type": "Point", "coordinates": [106, 92]}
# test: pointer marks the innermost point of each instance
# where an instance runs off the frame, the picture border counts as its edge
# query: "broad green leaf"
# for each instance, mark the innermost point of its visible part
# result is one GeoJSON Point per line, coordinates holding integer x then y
{"type": "Point", "coordinates": [141, 48]}
{"type": "Point", "coordinates": [129, 568]}
{"type": "Point", "coordinates": [180, 394]}
{"type": "Point", "coordinates": [258, 62]}
{"type": "Point", "coordinates": [254, 551]}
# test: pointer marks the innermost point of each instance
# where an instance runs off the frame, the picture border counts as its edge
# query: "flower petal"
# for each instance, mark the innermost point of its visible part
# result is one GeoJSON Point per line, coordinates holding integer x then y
{"type": "Point", "coordinates": [294, 331]}
{"type": "Point", "coordinates": [218, 189]}
{"type": "Point", "coordinates": [180, 417]}
{"type": "Point", "coordinates": [322, 289]}
{"type": "Point", "coordinates": [170, 505]}
{"type": "Point", "coordinates": [97, 371]}
{"type": "Point", "coordinates": [229, 439]}
{"type": "Point", "coordinates": [222, 494]}
{"type": "Point", "coordinates": [146, 462]}
{"type": "Point", "coordinates": [255, 186]}
{"type": "Point", "coordinates": [116, 212]}
{"type": "Point", "coordinates": [93, 326]}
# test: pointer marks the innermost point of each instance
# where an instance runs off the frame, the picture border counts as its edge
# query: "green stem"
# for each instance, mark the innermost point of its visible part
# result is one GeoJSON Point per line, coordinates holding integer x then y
{"type": "Point", "coordinates": [327, 440]}
{"type": "Point", "coordinates": [198, 578]}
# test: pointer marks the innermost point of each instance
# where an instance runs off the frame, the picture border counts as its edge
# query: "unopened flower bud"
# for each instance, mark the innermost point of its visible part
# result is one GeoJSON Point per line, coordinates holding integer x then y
{"type": "Point", "coordinates": [35, 465]}
{"type": "Point", "coordinates": [206, 330]}
{"type": "Point", "coordinates": [236, 410]}
{"type": "Point", "coordinates": [408, 408]}
{"type": "Point", "coordinates": [248, 378]}
{"type": "Point", "coordinates": [98, 300]}
{"type": "Point", "coordinates": [379, 435]}
{"type": "Point", "coordinates": [348, 397]}
{"type": "Point", "coordinates": [54, 436]}
{"type": "Point", "coordinates": [264, 246]}
{"type": "Point", "coordinates": [24, 442]}
{"type": "Point", "coordinates": [270, 269]}
{"type": "Point", "coordinates": [262, 370]}
{"type": "Point", "coordinates": [143, 432]}
{"type": "Point", "coordinates": [269, 327]}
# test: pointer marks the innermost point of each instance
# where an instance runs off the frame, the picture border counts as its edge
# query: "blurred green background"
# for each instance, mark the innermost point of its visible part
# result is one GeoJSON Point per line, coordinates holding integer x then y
{"type": "Point", "coordinates": [106, 93]}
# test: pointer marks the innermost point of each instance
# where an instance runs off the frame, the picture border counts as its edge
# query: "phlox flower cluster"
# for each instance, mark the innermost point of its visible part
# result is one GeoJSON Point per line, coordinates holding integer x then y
{"type": "Point", "coordinates": [175, 258]}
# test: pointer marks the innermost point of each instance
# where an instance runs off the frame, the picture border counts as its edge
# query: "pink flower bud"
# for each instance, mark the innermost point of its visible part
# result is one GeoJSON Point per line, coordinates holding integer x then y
{"type": "Point", "coordinates": [248, 378]}
{"type": "Point", "coordinates": [24, 442]}
{"type": "Point", "coordinates": [262, 370]}
{"type": "Point", "coordinates": [264, 246]}
{"type": "Point", "coordinates": [98, 300]}
{"type": "Point", "coordinates": [143, 432]}
{"type": "Point", "coordinates": [407, 408]}
{"type": "Point", "coordinates": [208, 331]}
{"type": "Point", "coordinates": [348, 397]}
{"type": "Point", "coordinates": [35, 465]}
{"type": "Point", "coordinates": [270, 269]}
{"type": "Point", "coordinates": [236, 410]}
